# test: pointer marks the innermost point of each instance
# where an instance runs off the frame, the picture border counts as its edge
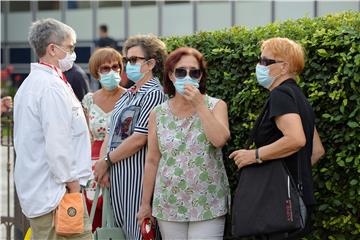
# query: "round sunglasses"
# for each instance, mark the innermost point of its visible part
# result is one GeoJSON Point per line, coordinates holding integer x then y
{"type": "Point", "coordinates": [107, 68]}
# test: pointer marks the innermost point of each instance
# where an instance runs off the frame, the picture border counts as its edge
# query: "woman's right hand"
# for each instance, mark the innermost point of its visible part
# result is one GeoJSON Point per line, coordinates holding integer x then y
{"type": "Point", "coordinates": [144, 212]}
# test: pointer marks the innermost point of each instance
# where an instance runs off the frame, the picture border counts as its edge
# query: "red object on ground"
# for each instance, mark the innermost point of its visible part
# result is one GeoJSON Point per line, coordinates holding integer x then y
{"type": "Point", "coordinates": [148, 229]}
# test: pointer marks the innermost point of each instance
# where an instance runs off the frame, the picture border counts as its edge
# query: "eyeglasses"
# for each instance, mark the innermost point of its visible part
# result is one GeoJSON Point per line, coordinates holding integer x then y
{"type": "Point", "coordinates": [71, 49]}
{"type": "Point", "coordinates": [183, 72]}
{"type": "Point", "coordinates": [266, 61]}
{"type": "Point", "coordinates": [106, 68]}
{"type": "Point", "coordinates": [133, 60]}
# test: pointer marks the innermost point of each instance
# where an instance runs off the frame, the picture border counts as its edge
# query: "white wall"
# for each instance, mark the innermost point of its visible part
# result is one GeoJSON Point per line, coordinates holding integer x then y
{"type": "Point", "coordinates": [143, 20]}
{"type": "Point", "coordinates": [293, 10]}
{"type": "Point", "coordinates": [49, 14]}
{"type": "Point", "coordinates": [177, 19]}
{"type": "Point", "coordinates": [81, 21]}
{"type": "Point", "coordinates": [114, 19]}
{"type": "Point", "coordinates": [327, 7]}
{"type": "Point", "coordinates": [18, 28]}
{"type": "Point", "coordinates": [252, 14]}
{"type": "Point", "coordinates": [2, 28]}
{"type": "Point", "coordinates": [213, 16]}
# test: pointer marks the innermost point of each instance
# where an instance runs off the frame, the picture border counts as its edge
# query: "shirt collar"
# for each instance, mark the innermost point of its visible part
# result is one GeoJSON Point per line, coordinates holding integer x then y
{"type": "Point", "coordinates": [144, 88]}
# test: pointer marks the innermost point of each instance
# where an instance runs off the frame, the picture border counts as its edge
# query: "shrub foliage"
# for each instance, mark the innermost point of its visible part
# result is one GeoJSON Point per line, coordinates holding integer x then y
{"type": "Point", "coordinates": [331, 81]}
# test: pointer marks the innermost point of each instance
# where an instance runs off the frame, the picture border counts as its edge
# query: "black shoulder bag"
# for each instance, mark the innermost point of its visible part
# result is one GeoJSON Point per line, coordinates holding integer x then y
{"type": "Point", "coordinates": [267, 200]}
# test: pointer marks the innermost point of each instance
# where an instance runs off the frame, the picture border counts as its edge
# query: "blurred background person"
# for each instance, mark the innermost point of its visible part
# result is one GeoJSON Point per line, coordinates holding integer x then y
{"type": "Point", "coordinates": [106, 66]}
{"type": "Point", "coordinates": [124, 149]}
{"type": "Point", "coordinates": [78, 80]}
{"type": "Point", "coordinates": [6, 104]}
{"type": "Point", "coordinates": [104, 39]}
{"type": "Point", "coordinates": [184, 167]}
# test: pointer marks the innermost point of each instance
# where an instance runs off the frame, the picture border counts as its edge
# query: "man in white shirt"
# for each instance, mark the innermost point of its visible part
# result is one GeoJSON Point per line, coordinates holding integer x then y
{"type": "Point", "coordinates": [51, 137]}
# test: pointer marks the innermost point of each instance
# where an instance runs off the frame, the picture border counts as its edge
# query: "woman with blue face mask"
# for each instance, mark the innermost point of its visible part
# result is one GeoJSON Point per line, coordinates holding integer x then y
{"type": "Point", "coordinates": [123, 153]}
{"type": "Point", "coordinates": [106, 66]}
{"type": "Point", "coordinates": [286, 128]}
{"type": "Point", "coordinates": [185, 177]}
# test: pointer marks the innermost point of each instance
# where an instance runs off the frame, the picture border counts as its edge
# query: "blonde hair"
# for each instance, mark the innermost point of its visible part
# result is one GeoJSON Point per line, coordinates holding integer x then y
{"type": "Point", "coordinates": [286, 50]}
{"type": "Point", "coordinates": [101, 56]}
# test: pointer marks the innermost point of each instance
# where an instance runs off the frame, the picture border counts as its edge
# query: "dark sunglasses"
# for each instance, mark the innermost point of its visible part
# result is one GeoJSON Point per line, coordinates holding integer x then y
{"type": "Point", "coordinates": [106, 68]}
{"type": "Point", "coordinates": [182, 72]}
{"type": "Point", "coordinates": [133, 60]}
{"type": "Point", "coordinates": [266, 62]}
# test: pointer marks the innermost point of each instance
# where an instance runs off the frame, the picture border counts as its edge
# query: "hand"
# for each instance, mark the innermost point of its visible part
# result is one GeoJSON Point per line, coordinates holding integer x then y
{"type": "Point", "coordinates": [143, 213]}
{"type": "Point", "coordinates": [73, 187]}
{"type": "Point", "coordinates": [100, 170]}
{"type": "Point", "coordinates": [193, 95]}
{"type": "Point", "coordinates": [243, 157]}
{"type": "Point", "coordinates": [6, 104]}
{"type": "Point", "coordinates": [105, 181]}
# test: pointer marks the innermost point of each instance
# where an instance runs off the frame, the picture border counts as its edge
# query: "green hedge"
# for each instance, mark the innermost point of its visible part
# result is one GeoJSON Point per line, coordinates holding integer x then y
{"type": "Point", "coordinates": [331, 81]}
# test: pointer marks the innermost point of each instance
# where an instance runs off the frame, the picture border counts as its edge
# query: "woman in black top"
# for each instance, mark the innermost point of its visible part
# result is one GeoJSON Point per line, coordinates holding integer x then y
{"type": "Point", "coordinates": [287, 124]}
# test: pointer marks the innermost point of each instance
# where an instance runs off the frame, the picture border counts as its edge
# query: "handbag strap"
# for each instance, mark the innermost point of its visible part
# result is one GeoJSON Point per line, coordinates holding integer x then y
{"type": "Point", "coordinates": [107, 213]}
{"type": "Point", "coordinates": [95, 201]}
{"type": "Point", "coordinates": [301, 152]}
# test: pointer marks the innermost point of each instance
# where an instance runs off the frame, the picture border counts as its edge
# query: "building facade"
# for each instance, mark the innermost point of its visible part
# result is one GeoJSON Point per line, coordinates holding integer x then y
{"type": "Point", "coordinates": [162, 18]}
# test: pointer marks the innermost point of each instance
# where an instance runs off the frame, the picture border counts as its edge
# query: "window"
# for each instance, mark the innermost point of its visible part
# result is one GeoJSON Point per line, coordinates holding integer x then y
{"type": "Point", "coordinates": [19, 6]}
{"type": "Point", "coordinates": [175, 2]}
{"type": "Point", "coordinates": [78, 4]}
{"type": "Point", "coordinates": [48, 5]}
{"type": "Point", "coordinates": [110, 4]}
{"type": "Point", "coordinates": [142, 3]}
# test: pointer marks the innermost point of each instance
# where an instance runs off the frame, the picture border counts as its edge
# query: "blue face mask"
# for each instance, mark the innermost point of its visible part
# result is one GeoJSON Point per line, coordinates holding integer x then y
{"type": "Point", "coordinates": [133, 72]}
{"type": "Point", "coordinates": [110, 80]}
{"type": "Point", "coordinates": [180, 84]}
{"type": "Point", "coordinates": [263, 77]}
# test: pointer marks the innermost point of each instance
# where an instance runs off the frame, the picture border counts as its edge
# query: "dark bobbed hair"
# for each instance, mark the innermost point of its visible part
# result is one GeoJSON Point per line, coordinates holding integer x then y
{"type": "Point", "coordinates": [103, 28]}
{"type": "Point", "coordinates": [173, 58]}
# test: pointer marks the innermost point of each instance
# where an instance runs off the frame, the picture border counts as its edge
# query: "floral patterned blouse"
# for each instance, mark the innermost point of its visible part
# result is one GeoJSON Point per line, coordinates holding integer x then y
{"type": "Point", "coordinates": [98, 119]}
{"type": "Point", "coordinates": [191, 182]}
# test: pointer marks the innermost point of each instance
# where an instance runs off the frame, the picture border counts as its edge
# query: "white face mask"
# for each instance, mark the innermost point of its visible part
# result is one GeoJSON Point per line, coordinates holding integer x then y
{"type": "Point", "coordinates": [67, 62]}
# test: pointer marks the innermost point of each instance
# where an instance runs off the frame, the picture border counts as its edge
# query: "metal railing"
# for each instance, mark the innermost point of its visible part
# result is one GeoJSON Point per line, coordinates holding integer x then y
{"type": "Point", "coordinates": [17, 221]}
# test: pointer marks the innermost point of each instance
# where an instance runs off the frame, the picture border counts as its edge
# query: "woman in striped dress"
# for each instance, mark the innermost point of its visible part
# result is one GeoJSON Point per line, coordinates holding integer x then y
{"type": "Point", "coordinates": [126, 140]}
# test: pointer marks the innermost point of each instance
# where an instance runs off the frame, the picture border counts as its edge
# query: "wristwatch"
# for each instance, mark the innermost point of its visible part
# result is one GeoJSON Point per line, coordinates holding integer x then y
{"type": "Point", "coordinates": [107, 160]}
{"type": "Point", "coordinates": [257, 157]}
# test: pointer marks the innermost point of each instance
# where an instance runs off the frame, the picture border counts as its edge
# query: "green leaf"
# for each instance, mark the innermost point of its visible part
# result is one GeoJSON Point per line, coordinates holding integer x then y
{"type": "Point", "coordinates": [353, 124]}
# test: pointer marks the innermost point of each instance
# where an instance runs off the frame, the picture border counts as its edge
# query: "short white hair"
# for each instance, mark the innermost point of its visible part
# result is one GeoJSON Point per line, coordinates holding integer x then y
{"type": "Point", "coordinates": [45, 31]}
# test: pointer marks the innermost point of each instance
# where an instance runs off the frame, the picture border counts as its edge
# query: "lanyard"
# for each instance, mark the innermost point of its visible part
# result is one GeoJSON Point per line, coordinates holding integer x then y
{"type": "Point", "coordinates": [57, 70]}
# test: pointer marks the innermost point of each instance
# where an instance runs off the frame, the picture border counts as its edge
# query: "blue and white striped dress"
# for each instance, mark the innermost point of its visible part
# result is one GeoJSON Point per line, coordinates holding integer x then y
{"type": "Point", "coordinates": [126, 175]}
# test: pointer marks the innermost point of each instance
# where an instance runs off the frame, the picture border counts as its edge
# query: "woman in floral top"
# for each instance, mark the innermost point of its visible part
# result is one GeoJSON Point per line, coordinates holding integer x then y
{"type": "Point", "coordinates": [184, 170]}
{"type": "Point", "coordinates": [105, 65]}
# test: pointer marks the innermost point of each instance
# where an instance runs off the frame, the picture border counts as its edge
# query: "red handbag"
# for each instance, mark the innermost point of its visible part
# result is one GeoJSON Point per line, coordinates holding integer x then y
{"type": "Point", "coordinates": [148, 229]}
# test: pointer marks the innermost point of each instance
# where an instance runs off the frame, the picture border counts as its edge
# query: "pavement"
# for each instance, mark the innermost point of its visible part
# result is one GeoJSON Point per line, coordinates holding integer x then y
{"type": "Point", "coordinates": [7, 159]}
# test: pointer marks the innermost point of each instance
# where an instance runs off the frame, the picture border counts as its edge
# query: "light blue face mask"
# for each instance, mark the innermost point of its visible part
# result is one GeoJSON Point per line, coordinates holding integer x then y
{"type": "Point", "coordinates": [133, 72]}
{"type": "Point", "coordinates": [180, 84]}
{"type": "Point", "coordinates": [263, 77]}
{"type": "Point", "coordinates": [110, 80]}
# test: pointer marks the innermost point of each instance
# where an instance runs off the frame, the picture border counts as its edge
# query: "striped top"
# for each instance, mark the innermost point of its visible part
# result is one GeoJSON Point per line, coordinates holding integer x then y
{"type": "Point", "coordinates": [131, 114]}
{"type": "Point", "coordinates": [143, 100]}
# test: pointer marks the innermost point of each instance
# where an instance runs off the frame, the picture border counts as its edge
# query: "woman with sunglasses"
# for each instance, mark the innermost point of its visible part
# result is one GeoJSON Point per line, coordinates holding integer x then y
{"type": "Point", "coordinates": [106, 66]}
{"type": "Point", "coordinates": [125, 147]}
{"type": "Point", "coordinates": [286, 127]}
{"type": "Point", "coordinates": [184, 170]}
